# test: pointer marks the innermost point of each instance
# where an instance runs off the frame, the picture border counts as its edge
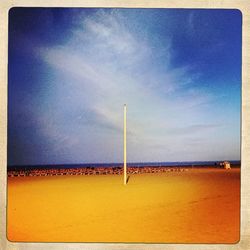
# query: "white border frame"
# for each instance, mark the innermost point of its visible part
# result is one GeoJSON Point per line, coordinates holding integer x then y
{"type": "Point", "coordinates": [242, 5]}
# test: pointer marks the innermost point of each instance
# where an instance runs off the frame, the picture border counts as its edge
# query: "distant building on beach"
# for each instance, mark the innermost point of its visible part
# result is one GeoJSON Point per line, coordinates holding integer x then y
{"type": "Point", "coordinates": [225, 164]}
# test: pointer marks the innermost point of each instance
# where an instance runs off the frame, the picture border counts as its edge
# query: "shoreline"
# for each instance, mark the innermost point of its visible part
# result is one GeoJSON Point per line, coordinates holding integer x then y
{"type": "Point", "coordinates": [110, 170]}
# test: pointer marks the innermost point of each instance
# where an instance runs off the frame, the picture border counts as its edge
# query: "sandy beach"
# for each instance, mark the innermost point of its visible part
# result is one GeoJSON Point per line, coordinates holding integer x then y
{"type": "Point", "coordinates": [195, 206]}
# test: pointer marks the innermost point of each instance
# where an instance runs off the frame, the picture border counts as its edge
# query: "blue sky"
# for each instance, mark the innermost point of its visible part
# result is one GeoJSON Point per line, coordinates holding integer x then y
{"type": "Point", "coordinates": [71, 71]}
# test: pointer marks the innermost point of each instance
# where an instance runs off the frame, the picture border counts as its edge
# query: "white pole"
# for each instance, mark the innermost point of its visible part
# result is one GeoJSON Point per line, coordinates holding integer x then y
{"type": "Point", "coordinates": [125, 146]}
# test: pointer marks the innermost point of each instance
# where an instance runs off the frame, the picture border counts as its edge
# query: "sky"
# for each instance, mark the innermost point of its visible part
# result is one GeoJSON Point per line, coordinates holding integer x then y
{"type": "Point", "coordinates": [71, 70]}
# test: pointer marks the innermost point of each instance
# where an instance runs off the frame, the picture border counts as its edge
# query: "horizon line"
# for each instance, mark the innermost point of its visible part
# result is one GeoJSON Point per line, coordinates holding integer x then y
{"type": "Point", "coordinates": [107, 163]}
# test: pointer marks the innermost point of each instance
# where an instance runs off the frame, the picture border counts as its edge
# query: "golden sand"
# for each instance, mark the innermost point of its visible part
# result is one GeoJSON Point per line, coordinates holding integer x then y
{"type": "Point", "coordinates": [195, 206]}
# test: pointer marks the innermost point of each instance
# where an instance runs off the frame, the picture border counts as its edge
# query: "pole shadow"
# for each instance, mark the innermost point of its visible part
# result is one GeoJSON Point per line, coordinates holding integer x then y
{"type": "Point", "coordinates": [128, 179]}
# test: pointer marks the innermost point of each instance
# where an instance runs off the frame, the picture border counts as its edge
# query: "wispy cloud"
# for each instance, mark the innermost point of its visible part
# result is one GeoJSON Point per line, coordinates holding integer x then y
{"type": "Point", "coordinates": [193, 129]}
{"type": "Point", "coordinates": [101, 66]}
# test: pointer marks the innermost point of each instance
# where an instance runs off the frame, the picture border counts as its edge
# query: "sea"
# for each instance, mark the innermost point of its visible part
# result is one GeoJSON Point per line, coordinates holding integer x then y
{"type": "Point", "coordinates": [131, 164]}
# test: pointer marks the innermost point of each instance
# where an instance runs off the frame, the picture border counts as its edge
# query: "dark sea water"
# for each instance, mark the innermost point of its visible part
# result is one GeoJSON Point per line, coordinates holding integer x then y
{"type": "Point", "coordinates": [134, 164]}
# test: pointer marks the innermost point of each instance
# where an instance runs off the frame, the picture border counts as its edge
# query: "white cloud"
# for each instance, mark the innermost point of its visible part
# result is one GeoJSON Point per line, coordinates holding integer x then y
{"type": "Point", "coordinates": [97, 71]}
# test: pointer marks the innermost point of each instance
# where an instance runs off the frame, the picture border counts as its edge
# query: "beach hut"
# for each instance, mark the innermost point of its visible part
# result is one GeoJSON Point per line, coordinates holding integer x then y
{"type": "Point", "coordinates": [226, 165]}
